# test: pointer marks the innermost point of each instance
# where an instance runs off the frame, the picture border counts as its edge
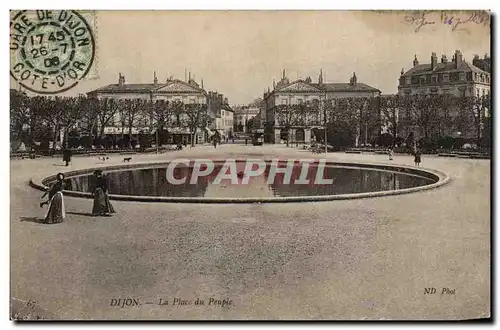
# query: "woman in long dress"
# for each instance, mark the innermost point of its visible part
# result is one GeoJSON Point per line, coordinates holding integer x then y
{"type": "Point", "coordinates": [56, 212]}
{"type": "Point", "coordinates": [102, 205]}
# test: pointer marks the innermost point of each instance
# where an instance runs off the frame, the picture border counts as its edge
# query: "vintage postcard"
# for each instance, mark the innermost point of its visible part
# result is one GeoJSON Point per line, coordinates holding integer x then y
{"type": "Point", "coordinates": [250, 165]}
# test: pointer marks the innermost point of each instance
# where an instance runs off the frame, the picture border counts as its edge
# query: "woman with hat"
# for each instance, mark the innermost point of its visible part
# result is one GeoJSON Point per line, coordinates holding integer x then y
{"type": "Point", "coordinates": [102, 205]}
{"type": "Point", "coordinates": [56, 212]}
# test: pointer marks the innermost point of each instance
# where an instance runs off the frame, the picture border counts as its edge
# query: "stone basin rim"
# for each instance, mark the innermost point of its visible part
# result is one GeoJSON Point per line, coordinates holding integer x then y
{"type": "Point", "coordinates": [440, 177]}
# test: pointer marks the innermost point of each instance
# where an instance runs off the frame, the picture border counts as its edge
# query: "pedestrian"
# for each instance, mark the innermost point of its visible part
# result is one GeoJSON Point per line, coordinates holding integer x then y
{"type": "Point", "coordinates": [67, 156]}
{"type": "Point", "coordinates": [55, 212]}
{"type": "Point", "coordinates": [391, 154]}
{"type": "Point", "coordinates": [246, 141]}
{"type": "Point", "coordinates": [215, 142]}
{"type": "Point", "coordinates": [102, 206]}
{"type": "Point", "coordinates": [418, 158]}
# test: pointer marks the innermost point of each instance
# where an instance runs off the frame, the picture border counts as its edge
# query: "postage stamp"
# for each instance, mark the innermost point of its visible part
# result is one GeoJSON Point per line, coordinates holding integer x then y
{"type": "Point", "coordinates": [250, 165]}
{"type": "Point", "coordinates": [51, 51]}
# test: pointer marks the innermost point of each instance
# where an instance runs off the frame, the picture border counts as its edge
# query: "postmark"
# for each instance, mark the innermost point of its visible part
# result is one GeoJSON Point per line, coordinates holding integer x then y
{"type": "Point", "coordinates": [51, 51]}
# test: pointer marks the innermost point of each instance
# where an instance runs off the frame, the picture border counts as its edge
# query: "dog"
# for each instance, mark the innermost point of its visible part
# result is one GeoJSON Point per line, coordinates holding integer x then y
{"type": "Point", "coordinates": [103, 158]}
{"type": "Point", "coordinates": [127, 159]}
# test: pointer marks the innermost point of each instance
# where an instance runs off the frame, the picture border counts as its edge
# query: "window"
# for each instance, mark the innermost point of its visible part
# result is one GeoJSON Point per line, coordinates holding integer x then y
{"type": "Point", "coordinates": [487, 79]}
{"type": "Point", "coordinates": [446, 77]}
{"type": "Point", "coordinates": [434, 79]}
{"type": "Point", "coordinates": [222, 113]}
{"type": "Point", "coordinates": [300, 101]}
{"type": "Point", "coordinates": [408, 80]}
{"type": "Point", "coordinates": [284, 101]}
{"type": "Point", "coordinates": [462, 75]}
{"type": "Point", "coordinates": [482, 78]}
{"type": "Point", "coordinates": [422, 80]}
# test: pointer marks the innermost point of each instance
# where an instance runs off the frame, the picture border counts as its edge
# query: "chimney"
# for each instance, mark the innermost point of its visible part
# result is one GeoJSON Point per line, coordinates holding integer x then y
{"type": "Point", "coordinates": [458, 58]}
{"type": "Point", "coordinates": [320, 78]}
{"type": "Point", "coordinates": [415, 61]}
{"type": "Point", "coordinates": [155, 79]}
{"type": "Point", "coordinates": [402, 71]}
{"type": "Point", "coordinates": [284, 75]}
{"type": "Point", "coordinates": [201, 83]}
{"type": "Point", "coordinates": [444, 59]}
{"type": "Point", "coordinates": [354, 79]}
{"type": "Point", "coordinates": [121, 80]}
{"type": "Point", "coordinates": [434, 61]}
{"type": "Point", "coordinates": [274, 84]}
{"type": "Point", "coordinates": [486, 57]}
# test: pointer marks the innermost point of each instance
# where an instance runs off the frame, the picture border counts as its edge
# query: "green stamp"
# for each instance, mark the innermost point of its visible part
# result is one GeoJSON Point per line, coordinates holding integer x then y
{"type": "Point", "coordinates": [50, 50]}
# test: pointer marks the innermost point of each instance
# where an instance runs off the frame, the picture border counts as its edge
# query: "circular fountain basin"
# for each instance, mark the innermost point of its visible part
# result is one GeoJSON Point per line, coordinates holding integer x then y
{"type": "Point", "coordinates": [244, 183]}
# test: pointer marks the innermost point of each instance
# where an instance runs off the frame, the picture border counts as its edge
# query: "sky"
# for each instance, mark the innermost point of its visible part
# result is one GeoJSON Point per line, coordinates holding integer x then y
{"type": "Point", "coordinates": [239, 53]}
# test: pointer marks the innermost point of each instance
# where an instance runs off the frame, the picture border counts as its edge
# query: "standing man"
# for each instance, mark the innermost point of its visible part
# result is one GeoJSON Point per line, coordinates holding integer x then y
{"type": "Point", "coordinates": [67, 156]}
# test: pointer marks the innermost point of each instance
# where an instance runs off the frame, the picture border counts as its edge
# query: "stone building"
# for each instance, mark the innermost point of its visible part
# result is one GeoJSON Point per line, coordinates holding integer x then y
{"type": "Point", "coordinates": [171, 90]}
{"type": "Point", "coordinates": [457, 77]}
{"type": "Point", "coordinates": [301, 91]}
{"type": "Point", "coordinates": [222, 113]}
{"type": "Point", "coordinates": [243, 114]}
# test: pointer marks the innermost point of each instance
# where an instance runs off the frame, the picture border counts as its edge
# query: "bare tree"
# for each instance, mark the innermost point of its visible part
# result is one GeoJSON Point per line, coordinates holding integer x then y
{"type": "Point", "coordinates": [287, 116]}
{"type": "Point", "coordinates": [389, 108]}
{"type": "Point", "coordinates": [472, 110]}
{"type": "Point", "coordinates": [131, 111]}
{"type": "Point", "coordinates": [195, 116]}
{"type": "Point", "coordinates": [107, 109]}
{"type": "Point", "coordinates": [89, 117]}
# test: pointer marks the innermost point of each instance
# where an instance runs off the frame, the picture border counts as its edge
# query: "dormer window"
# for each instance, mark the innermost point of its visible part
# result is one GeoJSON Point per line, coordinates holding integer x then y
{"type": "Point", "coordinates": [434, 79]}
{"type": "Point", "coordinates": [446, 77]}
{"type": "Point", "coordinates": [462, 76]}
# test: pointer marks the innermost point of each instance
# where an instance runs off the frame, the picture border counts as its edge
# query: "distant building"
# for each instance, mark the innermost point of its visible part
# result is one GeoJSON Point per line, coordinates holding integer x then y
{"type": "Point", "coordinates": [172, 90]}
{"type": "Point", "coordinates": [457, 77]}
{"type": "Point", "coordinates": [243, 114]}
{"type": "Point", "coordinates": [223, 114]}
{"type": "Point", "coordinates": [300, 91]}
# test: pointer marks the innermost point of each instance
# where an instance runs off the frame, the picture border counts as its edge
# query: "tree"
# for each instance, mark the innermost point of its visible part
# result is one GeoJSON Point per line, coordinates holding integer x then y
{"type": "Point", "coordinates": [195, 116]}
{"type": "Point", "coordinates": [286, 116]}
{"type": "Point", "coordinates": [389, 108]}
{"type": "Point", "coordinates": [89, 119]}
{"type": "Point", "coordinates": [472, 110]}
{"type": "Point", "coordinates": [19, 114]}
{"type": "Point", "coordinates": [106, 111]}
{"type": "Point", "coordinates": [131, 111]}
{"type": "Point", "coordinates": [70, 113]}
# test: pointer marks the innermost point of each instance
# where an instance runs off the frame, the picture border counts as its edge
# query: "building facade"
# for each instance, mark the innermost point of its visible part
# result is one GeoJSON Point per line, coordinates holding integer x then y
{"type": "Point", "coordinates": [222, 113]}
{"type": "Point", "coordinates": [456, 77]}
{"type": "Point", "coordinates": [243, 114]}
{"type": "Point", "coordinates": [304, 91]}
{"type": "Point", "coordinates": [172, 90]}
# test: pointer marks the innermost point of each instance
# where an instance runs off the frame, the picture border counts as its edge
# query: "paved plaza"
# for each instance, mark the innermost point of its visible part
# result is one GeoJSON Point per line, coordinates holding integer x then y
{"type": "Point", "coordinates": [344, 259]}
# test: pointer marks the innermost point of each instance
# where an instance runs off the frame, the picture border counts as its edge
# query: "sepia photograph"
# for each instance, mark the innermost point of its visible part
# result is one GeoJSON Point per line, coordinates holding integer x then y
{"type": "Point", "coordinates": [230, 165]}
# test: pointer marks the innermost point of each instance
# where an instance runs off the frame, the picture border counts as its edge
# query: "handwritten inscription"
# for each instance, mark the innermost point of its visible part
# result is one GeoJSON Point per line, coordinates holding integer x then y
{"type": "Point", "coordinates": [455, 20]}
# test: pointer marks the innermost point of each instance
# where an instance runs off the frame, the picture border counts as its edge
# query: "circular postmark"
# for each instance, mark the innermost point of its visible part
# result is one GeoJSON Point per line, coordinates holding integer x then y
{"type": "Point", "coordinates": [50, 50]}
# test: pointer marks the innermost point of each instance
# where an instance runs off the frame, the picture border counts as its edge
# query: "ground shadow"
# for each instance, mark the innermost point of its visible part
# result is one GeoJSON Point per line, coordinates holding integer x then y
{"type": "Point", "coordinates": [86, 214]}
{"type": "Point", "coordinates": [60, 165]}
{"type": "Point", "coordinates": [33, 219]}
